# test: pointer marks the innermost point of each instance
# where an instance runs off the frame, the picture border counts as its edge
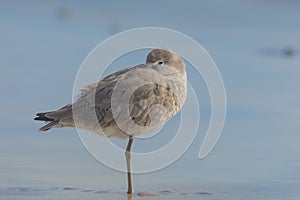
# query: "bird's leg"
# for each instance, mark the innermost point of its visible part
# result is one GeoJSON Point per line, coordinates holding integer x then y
{"type": "Point", "coordinates": [128, 162]}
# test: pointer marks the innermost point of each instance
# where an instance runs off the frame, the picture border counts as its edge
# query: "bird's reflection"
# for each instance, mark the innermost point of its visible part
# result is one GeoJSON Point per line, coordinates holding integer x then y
{"type": "Point", "coordinates": [130, 197]}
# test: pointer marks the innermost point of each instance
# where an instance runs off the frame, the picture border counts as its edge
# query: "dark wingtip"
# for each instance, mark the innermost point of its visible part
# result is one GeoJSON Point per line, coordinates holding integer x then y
{"type": "Point", "coordinates": [42, 117]}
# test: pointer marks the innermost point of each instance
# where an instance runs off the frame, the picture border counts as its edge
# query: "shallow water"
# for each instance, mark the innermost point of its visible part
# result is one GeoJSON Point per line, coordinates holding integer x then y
{"type": "Point", "coordinates": [212, 192]}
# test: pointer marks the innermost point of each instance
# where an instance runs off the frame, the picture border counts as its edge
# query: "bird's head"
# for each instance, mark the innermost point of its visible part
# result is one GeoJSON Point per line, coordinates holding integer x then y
{"type": "Point", "coordinates": [165, 56]}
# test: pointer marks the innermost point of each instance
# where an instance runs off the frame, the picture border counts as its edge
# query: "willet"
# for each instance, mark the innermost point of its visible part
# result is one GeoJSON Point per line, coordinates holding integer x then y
{"type": "Point", "coordinates": [161, 83]}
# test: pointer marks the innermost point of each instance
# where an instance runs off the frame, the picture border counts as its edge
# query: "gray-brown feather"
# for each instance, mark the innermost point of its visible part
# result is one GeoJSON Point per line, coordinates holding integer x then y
{"type": "Point", "coordinates": [169, 92]}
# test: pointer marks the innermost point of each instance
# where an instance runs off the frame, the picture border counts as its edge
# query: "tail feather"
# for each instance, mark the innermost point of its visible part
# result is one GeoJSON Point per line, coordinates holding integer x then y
{"type": "Point", "coordinates": [53, 124]}
{"type": "Point", "coordinates": [42, 117]}
{"type": "Point", "coordinates": [55, 119]}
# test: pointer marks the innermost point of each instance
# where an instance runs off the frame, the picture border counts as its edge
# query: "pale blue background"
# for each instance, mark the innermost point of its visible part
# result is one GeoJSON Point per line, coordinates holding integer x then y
{"type": "Point", "coordinates": [43, 43]}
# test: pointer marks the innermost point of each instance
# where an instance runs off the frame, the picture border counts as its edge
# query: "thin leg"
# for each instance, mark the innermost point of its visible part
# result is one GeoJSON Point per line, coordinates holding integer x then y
{"type": "Point", "coordinates": [128, 162]}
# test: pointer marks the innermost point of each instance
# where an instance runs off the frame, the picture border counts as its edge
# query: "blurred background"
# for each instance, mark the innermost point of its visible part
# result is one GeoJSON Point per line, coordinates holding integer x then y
{"type": "Point", "coordinates": [255, 44]}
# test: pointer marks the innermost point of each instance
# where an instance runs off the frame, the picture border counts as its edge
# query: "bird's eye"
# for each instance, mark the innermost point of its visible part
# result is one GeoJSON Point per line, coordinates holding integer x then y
{"type": "Point", "coordinates": [160, 62]}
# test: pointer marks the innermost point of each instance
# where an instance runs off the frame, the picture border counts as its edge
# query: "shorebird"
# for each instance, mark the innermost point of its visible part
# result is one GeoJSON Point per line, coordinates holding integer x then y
{"type": "Point", "coordinates": [161, 83]}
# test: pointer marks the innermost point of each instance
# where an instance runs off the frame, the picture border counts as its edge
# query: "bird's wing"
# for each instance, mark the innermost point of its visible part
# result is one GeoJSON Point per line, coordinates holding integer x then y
{"type": "Point", "coordinates": [98, 97]}
{"type": "Point", "coordinates": [137, 92]}
{"type": "Point", "coordinates": [128, 96]}
{"type": "Point", "coordinates": [148, 95]}
{"type": "Point", "coordinates": [65, 114]}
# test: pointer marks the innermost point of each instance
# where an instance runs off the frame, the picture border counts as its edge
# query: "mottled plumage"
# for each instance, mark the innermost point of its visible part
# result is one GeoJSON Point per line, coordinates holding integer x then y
{"type": "Point", "coordinates": [161, 84]}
